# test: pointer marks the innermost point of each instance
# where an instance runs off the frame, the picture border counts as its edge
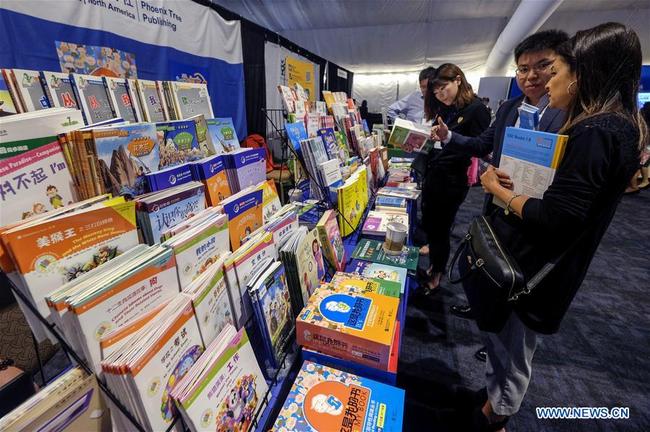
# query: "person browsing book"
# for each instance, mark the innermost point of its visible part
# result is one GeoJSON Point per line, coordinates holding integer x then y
{"type": "Point", "coordinates": [533, 56]}
{"type": "Point", "coordinates": [445, 187]}
{"type": "Point", "coordinates": [594, 77]}
{"type": "Point", "coordinates": [411, 107]}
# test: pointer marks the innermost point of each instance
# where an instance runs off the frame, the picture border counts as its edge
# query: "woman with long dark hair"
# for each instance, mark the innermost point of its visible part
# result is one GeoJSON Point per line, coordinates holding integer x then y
{"type": "Point", "coordinates": [595, 78]}
{"type": "Point", "coordinates": [450, 97]}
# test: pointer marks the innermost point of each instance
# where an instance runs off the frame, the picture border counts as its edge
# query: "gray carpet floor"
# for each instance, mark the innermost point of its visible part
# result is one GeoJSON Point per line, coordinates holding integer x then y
{"type": "Point", "coordinates": [599, 358]}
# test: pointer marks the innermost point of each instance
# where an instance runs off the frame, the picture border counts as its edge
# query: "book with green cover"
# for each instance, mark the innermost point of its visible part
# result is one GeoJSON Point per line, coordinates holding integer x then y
{"type": "Point", "coordinates": [372, 250]}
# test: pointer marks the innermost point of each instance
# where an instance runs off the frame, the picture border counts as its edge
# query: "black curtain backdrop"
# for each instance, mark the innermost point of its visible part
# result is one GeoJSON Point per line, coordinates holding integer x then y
{"type": "Point", "coordinates": [253, 38]}
{"type": "Point", "coordinates": [336, 83]}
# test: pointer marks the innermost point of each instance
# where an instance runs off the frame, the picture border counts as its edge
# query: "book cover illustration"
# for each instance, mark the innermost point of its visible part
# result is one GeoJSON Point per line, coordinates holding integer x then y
{"type": "Point", "coordinates": [324, 399]}
{"type": "Point", "coordinates": [244, 216]}
{"type": "Point", "coordinates": [126, 153]}
{"type": "Point", "coordinates": [223, 133]}
{"type": "Point", "coordinates": [120, 98]}
{"type": "Point", "coordinates": [60, 89]}
{"type": "Point", "coordinates": [365, 284]}
{"type": "Point", "coordinates": [179, 143]}
{"type": "Point", "coordinates": [93, 97]}
{"type": "Point", "coordinates": [212, 172]}
{"type": "Point", "coordinates": [30, 89]}
{"type": "Point", "coordinates": [191, 99]}
{"type": "Point", "coordinates": [296, 132]}
{"type": "Point", "coordinates": [386, 275]}
{"type": "Point", "coordinates": [152, 105]}
{"type": "Point", "coordinates": [310, 265]}
{"type": "Point", "coordinates": [34, 180]}
{"type": "Point", "coordinates": [247, 167]}
{"type": "Point", "coordinates": [7, 105]}
{"type": "Point", "coordinates": [330, 239]}
{"type": "Point", "coordinates": [349, 322]}
{"type": "Point", "coordinates": [372, 250]}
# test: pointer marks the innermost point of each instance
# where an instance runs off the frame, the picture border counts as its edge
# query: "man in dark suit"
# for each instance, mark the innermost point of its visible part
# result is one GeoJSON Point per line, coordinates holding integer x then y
{"type": "Point", "coordinates": [534, 56]}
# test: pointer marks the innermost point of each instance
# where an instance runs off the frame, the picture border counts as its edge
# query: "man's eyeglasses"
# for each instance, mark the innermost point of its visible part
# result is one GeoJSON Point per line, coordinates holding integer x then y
{"type": "Point", "coordinates": [539, 67]}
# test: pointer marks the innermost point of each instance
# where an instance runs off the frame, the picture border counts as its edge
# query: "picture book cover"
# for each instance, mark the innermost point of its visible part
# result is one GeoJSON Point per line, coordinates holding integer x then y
{"type": "Point", "coordinates": [386, 275]}
{"type": "Point", "coordinates": [191, 99]}
{"type": "Point", "coordinates": [120, 98]}
{"type": "Point", "coordinates": [311, 268]}
{"type": "Point", "coordinates": [212, 306]}
{"type": "Point", "coordinates": [179, 143]}
{"type": "Point", "coordinates": [296, 132]}
{"type": "Point", "coordinates": [376, 223]}
{"type": "Point", "coordinates": [30, 89]}
{"type": "Point", "coordinates": [60, 90]}
{"type": "Point", "coordinates": [7, 105]}
{"type": "Point", "coordinates": [169, 211]}
{"type": "Point", "coordinates": [244, 216]}
{"type": "Point", "coordinates": [271, 202]}
{"type": "Point", "coordinates": [372, 250]}
{"type": "Point", "coordinates": [323, 399]}
{"type": "Point", "coordinates": [223, 133]}
{"type": "Point", "coordinates": [229, 390]}
{"type": "Point", "coordinates": [365, 284]}
{"type": "Point", "coordinates": [350, 323]}
{"type": "Point", "coordinates": [53, 252]}
{"type": "Point", "coordinates": [123, 299]}
{"type": "Point", "coordinates": [93, 98]}
{"type": "Point", "coordinates": [329, 139]}
{"type": "Point", "coordinates": [330, 239]}
{"type": "Point", "coordinates": [152, 104]}
{"type": "Point", "coordinates": [212, 172]}
{"type": "Point", "coordinates": [34, 180]}
{"type": "Point", "coordinates": [125, 154]}
{"type": "Point", "coordinates": [166, 360]}
{"type": "Point", "coordinates": [200, 248]}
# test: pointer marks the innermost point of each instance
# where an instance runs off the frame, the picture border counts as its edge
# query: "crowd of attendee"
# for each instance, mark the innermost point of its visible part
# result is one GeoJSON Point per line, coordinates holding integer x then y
{"type": "Point", "coordinates": [584, 86]}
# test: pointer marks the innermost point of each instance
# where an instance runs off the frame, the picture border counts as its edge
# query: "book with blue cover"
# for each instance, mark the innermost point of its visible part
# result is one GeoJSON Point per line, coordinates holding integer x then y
{"type": "Point", "coordinates": [245, 167]}
{"type": "Point", "coordinates": [296, 132]}
{"type": "Point", "coordinates": [244, 212]}
{"type": "Point", "coordinates": [329, 139]}
{"type": "Point", "coordinates": [160, 211]}
{"type": "Point", "coordinates": [223, 134]}
{"type": "Point", "coordinates": [169, 177]}
{"type": "Point", "coordinates": [531, 158]}
{"type": "Point", "coordinates": [324, 399]}
{"type": "Point", "coordinates": [212, 172]}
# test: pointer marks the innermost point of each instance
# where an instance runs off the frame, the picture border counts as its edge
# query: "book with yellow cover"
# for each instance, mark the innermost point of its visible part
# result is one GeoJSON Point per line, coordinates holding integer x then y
{"type": "Point", "coordinates": [350, 323]}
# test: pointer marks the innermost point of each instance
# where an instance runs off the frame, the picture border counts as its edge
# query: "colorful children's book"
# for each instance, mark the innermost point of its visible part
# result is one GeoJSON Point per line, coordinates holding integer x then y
{"type": "Point", "coordinates": [191, 99]}
{"type": "Point", "coordinates": [198, 247]}
{"type": "Point", "coordinates": [373, 251]}
{"type": "Point", "coordinates": [324, 399]}
{"type": "Point", "coordinates": [331, 241]}
{"type": "Point", "coordinates": [407, 135]}
{"type": "Point", "coordinates": [29, 89]}
{"type": "Point", "coordinates": [329, 139]}
{"type": "Point", "coordinates": [386, 275]}
{"type": "Point", "coordinates": [223, 134]}
{"type": "Point", "coordinates": [349, 322]}
{"type": "Point", "coordinates": [118, 93]}
{"type": "Point", "coordinates": [225, 389]}
{"type": "Point", "coordinates": [60, 90]}
{"type": "Point", "coordinates": [211, 171]}
{"type": "Point", "coordinates": [377, 221]}
{"type": "Point", "coordinates": [270, 198]}
{"type": "Point", "coordinates": [150, 101]}
{"type": "Point", "coordinates": [7, 103]}
{"type": "Point", "coordinates": [296, 132]}
{"type": "Point", "coordinates": [124, 154]}
{"type": "Point", "coordinates": [183, 141]}
{"type": "Point", "coordinates": [161, 211]}
{"type": "Point", "coordinates": [54, 251]}
{"type": "Point", "coordinates": [244, 211]}
{"type": "Point", "coordinates": [365, 284]}
{"type": "Point", "coordinates": [93, 97]}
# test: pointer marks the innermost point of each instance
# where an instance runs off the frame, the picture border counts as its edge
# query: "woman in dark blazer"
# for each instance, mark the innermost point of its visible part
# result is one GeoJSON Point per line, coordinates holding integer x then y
{"type": "Point", "coordinates": [595, 78]}
{"type": "Point", "coordinates": [450, 97]}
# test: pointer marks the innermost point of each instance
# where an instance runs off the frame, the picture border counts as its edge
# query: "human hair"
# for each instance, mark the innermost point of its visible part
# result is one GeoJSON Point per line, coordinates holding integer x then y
{"type": "Point", "coordinates": [447, 72]}
{"type": "Point", "coordinates": [427, 73]}
{"type": "Point", "coordinates": [606, 60]}
{"type": "Point", "coordinates": [540, 41]}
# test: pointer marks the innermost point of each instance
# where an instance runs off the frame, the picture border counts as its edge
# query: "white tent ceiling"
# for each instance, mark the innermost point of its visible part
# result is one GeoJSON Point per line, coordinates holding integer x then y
{"type": "Point", "coordinates": [370, 36]}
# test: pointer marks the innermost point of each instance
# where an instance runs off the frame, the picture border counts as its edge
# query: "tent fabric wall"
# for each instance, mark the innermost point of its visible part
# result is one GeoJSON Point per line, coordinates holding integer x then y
{"type": "Point", "coordinates": [381, 90]}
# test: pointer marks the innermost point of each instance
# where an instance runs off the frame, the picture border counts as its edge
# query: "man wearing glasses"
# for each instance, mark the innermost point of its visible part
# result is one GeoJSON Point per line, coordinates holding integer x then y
{"type": "Point", "coordinates": [534, 56]}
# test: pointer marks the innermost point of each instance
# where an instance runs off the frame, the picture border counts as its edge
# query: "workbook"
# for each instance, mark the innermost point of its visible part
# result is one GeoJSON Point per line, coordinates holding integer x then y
{"type": "Point", "coordinates": [28, 88]}
{"type": "Point", "coordinates": [191, 99]}
{"type": "Point", "coordinates": [151, 101]}
{"type": "Point", "coordinates": [324, 399]}
{"type": "Point", "coordinates": [93, 98]}
{"type": "Point", "coordinates": [59, 90]}
{"type": "Point", "coordinates": [118, 93]}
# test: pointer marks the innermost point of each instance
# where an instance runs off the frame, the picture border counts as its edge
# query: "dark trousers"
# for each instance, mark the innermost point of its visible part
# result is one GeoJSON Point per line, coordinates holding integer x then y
{"type": "Point", "coordinates": [440, 203]}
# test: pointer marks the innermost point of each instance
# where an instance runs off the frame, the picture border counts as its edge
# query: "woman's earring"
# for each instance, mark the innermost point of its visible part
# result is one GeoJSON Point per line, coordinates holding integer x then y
{"type": "Point", "coordinates": [570, 86]}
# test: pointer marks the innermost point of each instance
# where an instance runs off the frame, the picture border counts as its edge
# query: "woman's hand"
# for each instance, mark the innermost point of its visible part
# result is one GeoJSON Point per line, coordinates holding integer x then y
{"type": "Point", "coordinates": [494, 178]}
{"type": "Point", "coordinates": [439, 131]}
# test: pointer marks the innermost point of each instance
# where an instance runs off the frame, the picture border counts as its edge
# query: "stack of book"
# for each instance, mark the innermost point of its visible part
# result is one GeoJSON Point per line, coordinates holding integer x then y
{"type": "Point", "coordinates": [245, 167]}
{"type": "Point", "coordinates": [326, 399]}
{"type": "Point", "coordinates": [160, 211]}
{"type": "Point", "coordinates": [225, 388]}
{"type": "Point", "coordinates": [72, 401]}
{"type": "Point", "coordinates": [245, 214]}
{"type": "Point", "coordinates": [399, 192]}
{"type": "Point", "coordinates": [391, 204]}
{"type": "Point", "coordinates": [211, 171]}
{"type": "Point", "coordinates": [145, 369]}
{"type": "Point", "coordinates": [351, 320]}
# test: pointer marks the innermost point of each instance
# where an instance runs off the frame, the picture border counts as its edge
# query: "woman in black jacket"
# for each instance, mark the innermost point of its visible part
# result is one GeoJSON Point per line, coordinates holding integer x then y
{"type": "Point", "coordinates": [445, 187]}
{"type": "Point", "coordinates": [595, 77]}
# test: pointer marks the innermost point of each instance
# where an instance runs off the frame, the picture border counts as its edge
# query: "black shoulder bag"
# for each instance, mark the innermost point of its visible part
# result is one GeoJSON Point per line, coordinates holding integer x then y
{"type": "Point", "coordinates": [491, 277]}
